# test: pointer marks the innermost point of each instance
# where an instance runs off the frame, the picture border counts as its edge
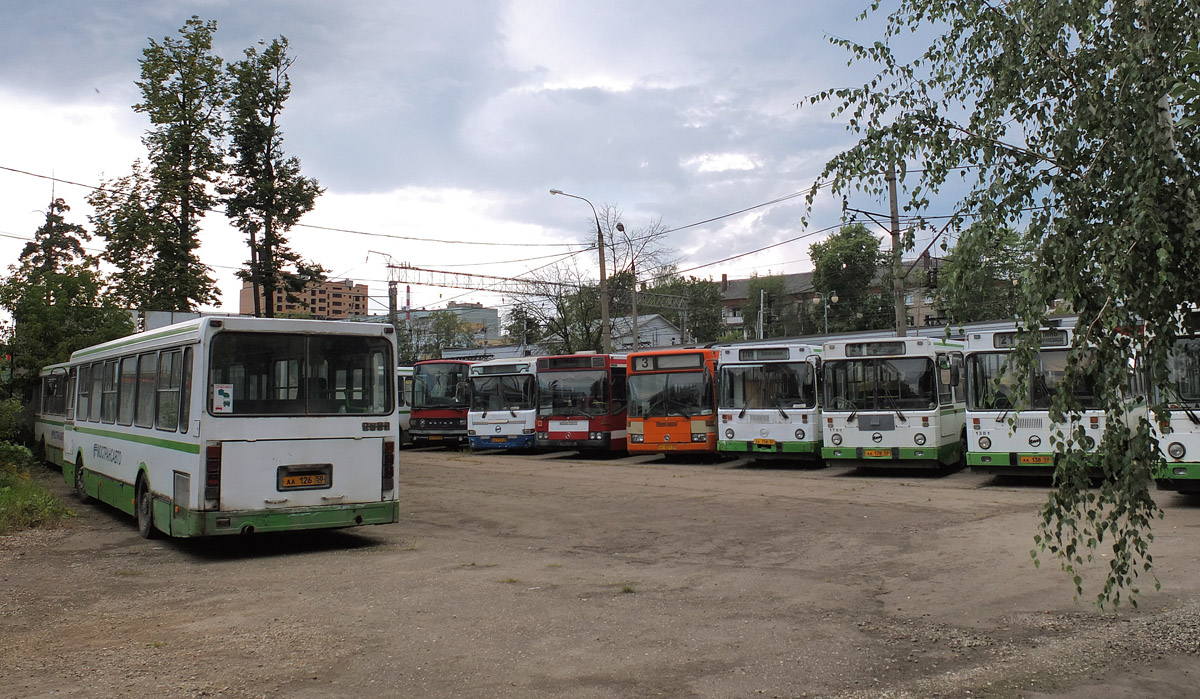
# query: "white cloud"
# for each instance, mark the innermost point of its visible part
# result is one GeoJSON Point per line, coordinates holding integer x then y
{"type": "Point", "coordinates": [721, 162]}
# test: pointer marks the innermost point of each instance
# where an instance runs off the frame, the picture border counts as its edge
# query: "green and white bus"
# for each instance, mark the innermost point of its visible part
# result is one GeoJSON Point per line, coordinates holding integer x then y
{"type": "Point", "coordinates": [50, 413]}
{"type": "Point", "coordinates": [894, 402]}
{"type": "Point", "coordinates": [768, 401]}
{"type": "Point", "coordinates": [1011, 433]}
{"type": "Point", "coordinates": [237, 425]}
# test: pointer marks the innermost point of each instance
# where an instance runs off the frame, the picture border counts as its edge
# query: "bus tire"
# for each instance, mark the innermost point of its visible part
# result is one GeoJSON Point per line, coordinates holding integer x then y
{"type": "Point", "coordinates": [145, 510]}
{"type": "Point", "coordinates": [80, 489]}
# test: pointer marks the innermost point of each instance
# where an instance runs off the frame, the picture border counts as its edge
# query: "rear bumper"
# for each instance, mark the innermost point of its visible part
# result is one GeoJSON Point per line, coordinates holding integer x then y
{"type": "Point", "coordinates": [187, 523]}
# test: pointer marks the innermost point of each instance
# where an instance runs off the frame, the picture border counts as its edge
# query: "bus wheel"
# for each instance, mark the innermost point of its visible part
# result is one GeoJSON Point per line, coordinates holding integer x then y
{"type": "Point", "coordinates": [80, 490]}
{"type": "Point", "coordinates": [145, 510]}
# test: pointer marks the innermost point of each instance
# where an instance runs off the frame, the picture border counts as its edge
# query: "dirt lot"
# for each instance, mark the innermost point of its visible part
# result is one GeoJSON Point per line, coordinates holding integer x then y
{"type": "Point", "coordinates": [536, 576]}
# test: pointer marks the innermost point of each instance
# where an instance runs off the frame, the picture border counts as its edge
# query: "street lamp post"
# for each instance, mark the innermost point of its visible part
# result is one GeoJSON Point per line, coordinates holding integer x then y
{"type": "Point", "coordinates": [824, 300]}
{"type": "Point", "coordinates": [604, 329]}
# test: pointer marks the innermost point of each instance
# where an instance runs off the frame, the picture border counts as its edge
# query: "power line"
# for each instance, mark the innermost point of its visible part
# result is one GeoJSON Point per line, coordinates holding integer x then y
{"type": "Point", "coordinates": [315, 227]}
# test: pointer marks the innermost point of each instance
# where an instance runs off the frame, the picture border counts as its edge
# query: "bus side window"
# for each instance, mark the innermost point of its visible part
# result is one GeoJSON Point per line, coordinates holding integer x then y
{"type": "Point", "coordinates": [147, 373]}
{"type": "Point", "coordinates": [619, 394]}
{"type": "Point", "coordinates": [167, 415]}
{"type": "Point", "coordinates": [185, 392]}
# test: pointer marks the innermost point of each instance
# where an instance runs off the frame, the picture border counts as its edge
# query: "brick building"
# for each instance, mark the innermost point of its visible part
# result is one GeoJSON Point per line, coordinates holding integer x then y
{"type": "Point", "coordinates": [331, 300]}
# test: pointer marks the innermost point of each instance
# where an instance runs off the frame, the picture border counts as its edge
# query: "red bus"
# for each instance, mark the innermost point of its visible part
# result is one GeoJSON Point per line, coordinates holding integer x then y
{"type": "Point", "coordinates": [673, 401]}
{"type": "Point", "coordinates": [440, 399]}
{"type": "Point", "coordinates": [581, 402]}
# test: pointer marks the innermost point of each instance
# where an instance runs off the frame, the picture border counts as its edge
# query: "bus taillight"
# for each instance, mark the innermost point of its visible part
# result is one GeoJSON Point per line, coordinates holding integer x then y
{"type": "Point", "coordinates": [212, 475]}
{"type": "Point", "coordinates": [389, 464]}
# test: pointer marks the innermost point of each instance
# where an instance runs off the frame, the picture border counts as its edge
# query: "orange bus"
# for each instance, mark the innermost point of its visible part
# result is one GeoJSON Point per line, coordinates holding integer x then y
{"type": "Point", "coordinates": [673, 401]}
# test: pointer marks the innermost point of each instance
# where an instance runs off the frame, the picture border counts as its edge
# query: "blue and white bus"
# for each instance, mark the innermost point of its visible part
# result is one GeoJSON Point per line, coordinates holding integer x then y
{"type": "Point", "coordinates": [503, 404]}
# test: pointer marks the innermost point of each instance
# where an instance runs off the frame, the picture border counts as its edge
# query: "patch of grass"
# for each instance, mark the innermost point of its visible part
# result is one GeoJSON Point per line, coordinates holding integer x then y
{"type": "Point", "coordinates": [130, 572]}
{"type": "Point", "coordinates": [508, 580]}
{"type": "Point", "coordinates": [473, 564]}
{"type": "Point", "coordinates": [156, 644]}
{"type": "Point", "coordinates": [627, 590]}
{"type": "Point", "coordinates": [24, 503]}
{"type": "Point", "coordinates": [554, 565]}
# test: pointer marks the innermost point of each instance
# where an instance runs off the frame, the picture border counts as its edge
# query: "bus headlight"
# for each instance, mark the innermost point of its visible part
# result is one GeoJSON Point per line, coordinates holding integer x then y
{"type": "Point", "coordinates": [729, 433]}
{"type": "Point", "coordinates": [836, 439]}
{"type": "Point", "coordinates": [985, 443]}
{"type": "Point", "coordinates": [699, 436]}
{"type": "Point", "coordinates": [1176, 450]}
{"type": "Point", "coordinates": [919, 438]}
{"type": "Point", "coordinates": [636, 438]}
{"type": "Point", "coordinates": [799, 434]}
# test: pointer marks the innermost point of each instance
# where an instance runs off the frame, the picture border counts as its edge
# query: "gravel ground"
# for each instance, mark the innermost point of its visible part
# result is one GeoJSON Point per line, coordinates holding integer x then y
{"type": "Point", "coordinates": [552, 576]}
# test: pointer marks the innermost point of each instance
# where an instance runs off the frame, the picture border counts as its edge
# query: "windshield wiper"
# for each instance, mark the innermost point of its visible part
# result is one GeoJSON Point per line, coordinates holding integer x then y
{"type": "Point", "coordinates": [895, 408]}
{"type": "Point", "coordinates": [779, 407]}
{"type": "Point", "coordinates": [743, 413]}
{"type": "Point", "coordinates": [1191, 414]}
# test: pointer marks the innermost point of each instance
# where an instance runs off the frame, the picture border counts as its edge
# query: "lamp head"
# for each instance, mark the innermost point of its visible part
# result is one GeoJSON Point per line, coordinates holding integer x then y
{"type": "Point", "coordinates": [621, 226]}
{"type": "Point", "coordinates": [556, 191]}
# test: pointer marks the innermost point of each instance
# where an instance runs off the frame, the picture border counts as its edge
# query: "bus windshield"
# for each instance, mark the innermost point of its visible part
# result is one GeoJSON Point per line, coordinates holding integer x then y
{"type": "Point", "coordinates": [908, 383]}
{"type": "Point", "coordinates": [767, 386]}
{"type": "Point", "coordinates": [503, 393]}
{"type": "Point", "coordinates": [661, 395]}
{"type": "Point", "coordinates": [565, 393]}
{"type": "Point", "coordinates": [1184, 368]}
{"type": "Point", "coordinates": [441, 386]}
{"type": "Point", "coordinates": [286, 374]}
{"type": "Point", "coordinates": [992, 385]}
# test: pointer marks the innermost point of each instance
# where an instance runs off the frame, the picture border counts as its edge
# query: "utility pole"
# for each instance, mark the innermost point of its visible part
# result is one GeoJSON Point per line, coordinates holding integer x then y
{"type": "Point", "coordinates": [762, 295]}
{"type": "Point", "coordinates": [392, 317]}
{"type": "Point", "coordinates": [897, 278]}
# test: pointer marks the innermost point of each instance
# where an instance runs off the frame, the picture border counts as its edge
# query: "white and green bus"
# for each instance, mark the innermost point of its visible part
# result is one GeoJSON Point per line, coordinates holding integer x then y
{"type": "Point", "coordinates": [50, 413]}
{"type": "Point", "coordinates": [237, 425]}
{"type": "Point", "coordinates": [894, 402]}
{"type": "Point", "coordinates": [1011, 433]}
{"type": "Point", "coordinates": [768, 401]}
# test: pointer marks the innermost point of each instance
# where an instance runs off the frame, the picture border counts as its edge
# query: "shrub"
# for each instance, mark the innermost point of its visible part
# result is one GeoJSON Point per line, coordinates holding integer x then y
{"type": "Point", "coordinates": [24, 502]}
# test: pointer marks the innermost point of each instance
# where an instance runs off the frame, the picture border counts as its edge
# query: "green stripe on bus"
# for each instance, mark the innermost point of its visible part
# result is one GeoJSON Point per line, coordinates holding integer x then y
{"type": "Point", "coordinates": [56, 423]}
{"type": "Point", "coordinates": [137, 339]}
{"type": "Point", "coordinates": [184, 447]}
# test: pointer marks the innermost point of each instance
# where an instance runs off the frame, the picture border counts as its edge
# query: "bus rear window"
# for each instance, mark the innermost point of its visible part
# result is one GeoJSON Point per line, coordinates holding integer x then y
{"type": "Point", "coordinates": [280, 374]}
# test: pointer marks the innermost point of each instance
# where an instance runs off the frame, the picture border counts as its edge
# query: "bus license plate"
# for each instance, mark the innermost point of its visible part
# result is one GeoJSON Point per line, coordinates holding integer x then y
{"type": "Point", "coordinates": [315, 480]}
{"type": "Point", "coordinates": [764, 442]}
{"type": "Point", "coordinates": [668, 447]}
{"type": "Point", "coordinates": [501, 440]}
{"type": "Point", "coordinates": [435, 436]}
{"type": "Point", "coordinates": [877, 452]}
{"type": "Point", "coordinates": [1035, 459]}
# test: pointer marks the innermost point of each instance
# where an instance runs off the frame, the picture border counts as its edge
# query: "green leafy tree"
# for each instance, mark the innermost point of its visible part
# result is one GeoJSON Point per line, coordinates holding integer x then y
{"type": "Point", "coordinates": [183, 92]}
{"type": "Point", "coordinates": [700, 316]}
{"type": "Point", "coordinates": [846, 265]}
{"type": "Point", "coordinates": [1061, 117]}
{"type": "Point", "coordinates": [56, 296]}
{"type": "Point", "coordinates": [981, 283]}
{"type": "Point", "coordinates": [566, 307]}
{"type": "Point", "coordinates": [126, 215]}
{"type": "Point", "coordinates": [267, 195]}
{"type": "Point", "coordinates": [446, 330]}
{"type": "Point", "coordinates": [769, 295]}
{"type": "Point", "coordinates": [523, 325]}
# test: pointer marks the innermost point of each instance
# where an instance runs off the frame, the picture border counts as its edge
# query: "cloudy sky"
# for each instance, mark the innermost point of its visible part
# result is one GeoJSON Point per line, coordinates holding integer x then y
{"type": "Point", "coordinates": [452, 120]}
